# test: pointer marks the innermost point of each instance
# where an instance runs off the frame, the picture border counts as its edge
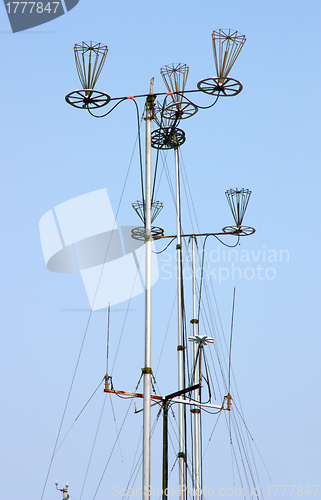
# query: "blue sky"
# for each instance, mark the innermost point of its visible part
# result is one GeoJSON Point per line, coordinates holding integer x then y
{"type": "Point", "coordinates": [266, 139]}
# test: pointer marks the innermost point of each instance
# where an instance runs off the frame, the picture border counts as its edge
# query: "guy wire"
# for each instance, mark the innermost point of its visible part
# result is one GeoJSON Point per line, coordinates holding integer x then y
{"type": "Point", "coordinates": [93, 447]}
{"type": "Point", "coordinates": [157, 154]}
{"type": "Point", "coordinates": [84, 337]}
{"type": "Point", "coordinates": [230, 354]}
{"type": "Point", "coordinates": [67, 401]}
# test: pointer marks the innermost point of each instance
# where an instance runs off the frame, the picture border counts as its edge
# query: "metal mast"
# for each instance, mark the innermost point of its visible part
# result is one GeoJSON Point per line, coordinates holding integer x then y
{"type": "Point", "coordinates": [148, 297]}
{"type": "Point", "coordinates": [195, 410]}
{"type": "Point", "coordinates": [175, 78]}
{"type": "Point", "coordinates": [180, 346]}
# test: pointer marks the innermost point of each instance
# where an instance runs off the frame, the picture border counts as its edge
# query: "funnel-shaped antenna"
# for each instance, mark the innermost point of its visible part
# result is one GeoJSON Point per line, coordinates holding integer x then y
{"type": "Point", "coordinates": [175, 78]}
{"type": "Point", "coordinates": [226, 47]}
{"type": "Point", "coordinates": [139, 208]}
{"type": "Point", "coordinates": [238, 200]}
{"type": "Point", "coordinates": [90, 58]}
{"type": "Point", "coordinates": [159, 118]}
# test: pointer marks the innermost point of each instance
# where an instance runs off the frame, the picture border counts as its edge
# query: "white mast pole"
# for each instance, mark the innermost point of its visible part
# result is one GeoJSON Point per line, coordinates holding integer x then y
{"type": "Point", "coordinates": [195, 410]}
{"type": "Point", "coordinates": [180, 346]}
{"type": "Point", "coordinates": [148, 300]}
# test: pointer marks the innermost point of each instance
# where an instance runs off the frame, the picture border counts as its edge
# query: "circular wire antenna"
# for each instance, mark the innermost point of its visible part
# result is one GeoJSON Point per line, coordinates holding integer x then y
{"type": "Point", "coordinates": [185, 109]}
{"type": "Point", "coordinates": [167, 138]}
{"type": "Point", "coordinates": [220, 87]}
{"type": "Point", "coordinates": [87, 99]}
{"type": "Point", "coordinates": [239, 231]}
{"type": "Point", "coordinates": [139, 233]}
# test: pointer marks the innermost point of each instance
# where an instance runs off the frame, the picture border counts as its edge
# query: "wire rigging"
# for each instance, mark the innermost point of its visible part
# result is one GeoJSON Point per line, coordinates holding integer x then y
{"type": "Point", "coordinates": [230, 353]}
{"type": "Point", "coordinates": [61, 442]}
{"type": "Point", "coordinates": [140, 153]}
{"type": "Point", "coordinates": [112, 450]}
{"type": "Point", "coordinates": [171, 241]}
{"type": "Point", "coordinates": [66, 404]}
{"type": "Point", "coordinates": [240, 442]}
{"type": "Point", "coordinates": [197, 105]}
{"type": "Point", "coordinates": [139, 461]}
{"type": "Point", "coordinates": [88, 322]}
{"type": "Point", "coordinates": [102, 116]}
{"type": "Point", "coordinates": [93, 447]}
{"type": "Point", "coordinates": [116, 427]}
{"type": "Point", "coordinates": [157, 154]}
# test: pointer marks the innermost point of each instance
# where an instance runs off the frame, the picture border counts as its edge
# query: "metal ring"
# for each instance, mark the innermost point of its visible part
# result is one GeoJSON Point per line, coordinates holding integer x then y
{"type": "Point", "coordinates": [138, 233]}
{"type": "Point", "coordinates": [239, 231]}
{"type": "Point", "coordinates": [220, 86]}
{"type": "Point", "coordinates": [87, 99]}
{"type": "Point", "coordinates": [165, 138]}
{"type": "Point", "coordinates": [183, 109]}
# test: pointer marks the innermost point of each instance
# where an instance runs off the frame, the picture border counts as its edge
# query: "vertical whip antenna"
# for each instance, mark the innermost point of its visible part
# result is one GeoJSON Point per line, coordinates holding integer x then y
{"type": "Point", "coordinates": [226, 47]}
{"type": "Point", "coordinates": [107, 348]}
{"type": "Point", "coordinates": [90, 58]}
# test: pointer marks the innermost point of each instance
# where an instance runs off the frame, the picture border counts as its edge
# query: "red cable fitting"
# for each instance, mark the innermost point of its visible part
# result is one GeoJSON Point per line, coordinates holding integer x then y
{"type": "Point", "coordinates": [169, 93]}
{"type": "Point", "coordinates": [130, 97]}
